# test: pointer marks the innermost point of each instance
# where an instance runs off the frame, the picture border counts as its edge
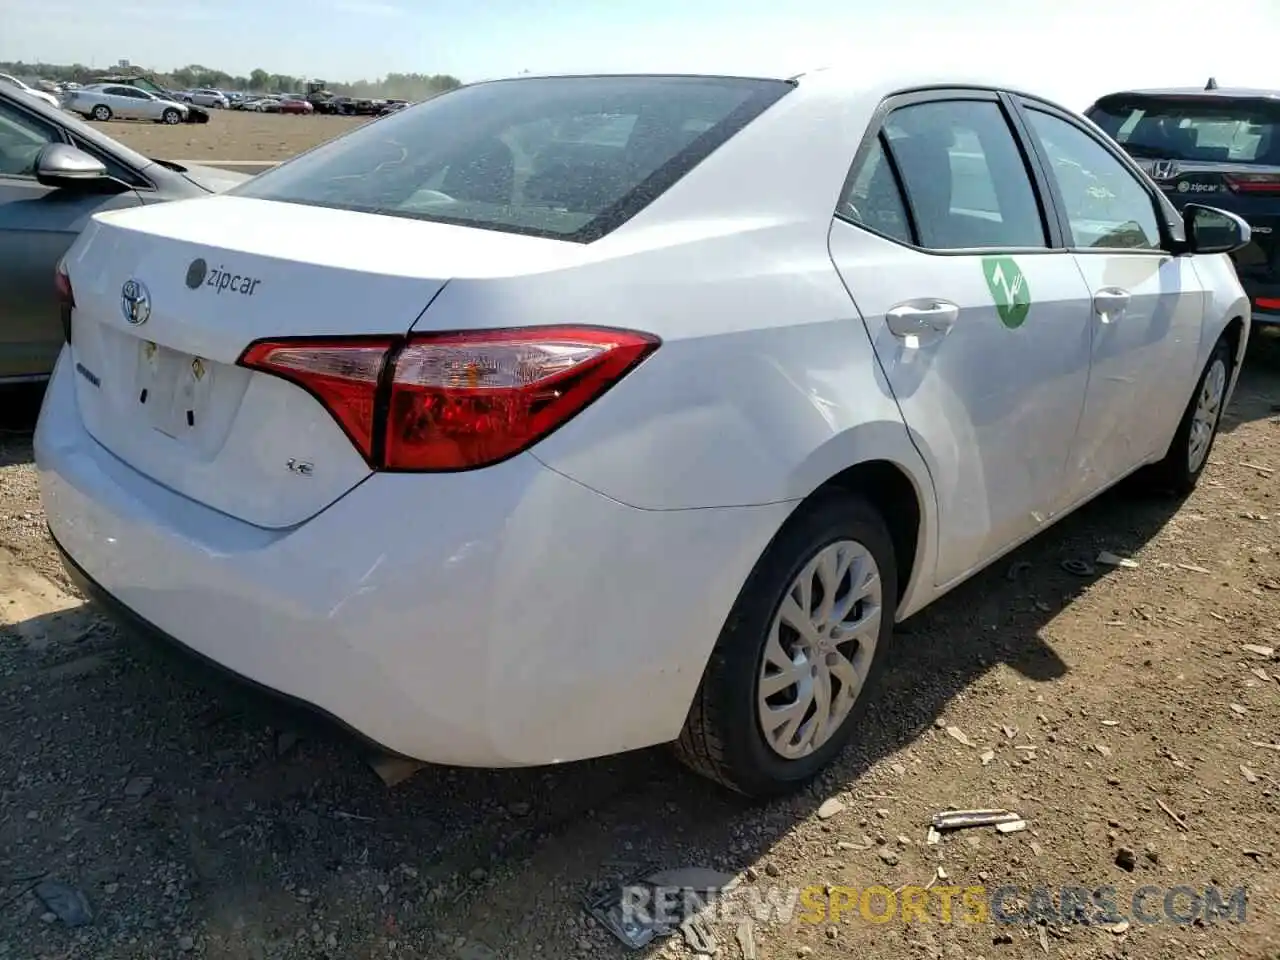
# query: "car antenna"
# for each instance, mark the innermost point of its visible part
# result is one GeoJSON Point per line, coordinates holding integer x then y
{"type": "Point", "coordinates": [1212, 84]}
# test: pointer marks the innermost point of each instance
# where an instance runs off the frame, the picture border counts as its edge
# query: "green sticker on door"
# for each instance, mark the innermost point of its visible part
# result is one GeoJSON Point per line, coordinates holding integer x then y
{"type": "Point", "coordinates": [1008, 289]}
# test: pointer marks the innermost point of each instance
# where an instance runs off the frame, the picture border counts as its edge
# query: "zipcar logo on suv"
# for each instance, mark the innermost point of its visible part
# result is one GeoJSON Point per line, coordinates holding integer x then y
{"type": "Point", "coordinates": [220, 279]}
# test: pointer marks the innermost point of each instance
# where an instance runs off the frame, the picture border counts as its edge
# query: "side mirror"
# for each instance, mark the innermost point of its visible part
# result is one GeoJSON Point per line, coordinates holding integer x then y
{"type": "Point", "coordinates": [1210, 230]}
{"type": "Point", "coordinates": [62, 165]}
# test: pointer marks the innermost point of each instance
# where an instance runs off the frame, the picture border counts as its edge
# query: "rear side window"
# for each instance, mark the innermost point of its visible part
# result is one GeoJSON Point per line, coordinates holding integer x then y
{"type": "Point", "coordinates": [570, 158]}
{"type": "Point", "coordinates": [873, 200]}
{"type": "Point", "coordinates": [1203, 129]}
{"type": "Point", "coordinates": [965, 178]}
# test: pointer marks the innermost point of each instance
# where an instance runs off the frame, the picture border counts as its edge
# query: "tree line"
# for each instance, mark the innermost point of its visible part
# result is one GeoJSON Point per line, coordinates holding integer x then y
{"type": "Point", "coordinates": [404, 86]}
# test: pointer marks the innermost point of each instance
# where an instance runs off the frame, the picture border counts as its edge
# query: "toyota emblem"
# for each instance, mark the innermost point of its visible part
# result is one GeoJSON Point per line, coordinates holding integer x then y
{"type": "Point", "coordinates": [135, 302]}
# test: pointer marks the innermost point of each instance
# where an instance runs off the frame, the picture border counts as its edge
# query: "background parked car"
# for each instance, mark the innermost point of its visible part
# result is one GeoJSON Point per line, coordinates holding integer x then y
{"type": "Point", "coordinates": [262, 105]}
{"type": "Point", "coordinates": [291, 105]}
{"type": "Point", "coordinates": [56, 172]}
{"type": "Point", "coordinates": [1212, 145]}
{"type": "Point", "coordinates": [208, 98]}
{"type": "Point", "coordinates": [29, 91]}
{"type": "Point", "coordinates": [195, 114]}
{"type": "Point", "coordinates": [106, 101]}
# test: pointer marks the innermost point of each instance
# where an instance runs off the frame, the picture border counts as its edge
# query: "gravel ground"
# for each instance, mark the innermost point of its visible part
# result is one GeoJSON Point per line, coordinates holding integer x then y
{"type": "Point", "coordinates": [1130, 715]}
{"type": "Point", "coordinates": [230, 135]}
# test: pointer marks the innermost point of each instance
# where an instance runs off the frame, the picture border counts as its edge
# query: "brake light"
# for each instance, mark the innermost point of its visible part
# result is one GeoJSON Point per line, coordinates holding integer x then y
{"type": "Point", "coordinates": [65, 296]}
{"type": "Point", "coordinates": [341, 375]}
{"type": "Point", "coordinates": [1253, 182]}
{"type": "Point", "coordinates": [455, 401]}
{"type": "Point", "coordinates": [62, 286]}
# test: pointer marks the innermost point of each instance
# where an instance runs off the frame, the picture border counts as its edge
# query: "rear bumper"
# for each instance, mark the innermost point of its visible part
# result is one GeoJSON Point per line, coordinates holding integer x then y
{"type": "Point", "coordinates": [504, 617]}
{"type": "Point", "coordinates": [272, 703]}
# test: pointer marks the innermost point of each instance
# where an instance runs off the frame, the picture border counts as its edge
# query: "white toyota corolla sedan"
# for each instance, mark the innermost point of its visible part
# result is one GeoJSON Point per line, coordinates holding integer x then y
{"type": "Point", "coordinates": [557, 417]}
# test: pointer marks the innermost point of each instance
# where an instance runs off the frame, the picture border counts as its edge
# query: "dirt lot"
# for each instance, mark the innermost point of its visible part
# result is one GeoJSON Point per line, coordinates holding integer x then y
{"type": "Point", "coordinates": [230, 135]}
{"type": "Point", "coordinates": [1119, 711]}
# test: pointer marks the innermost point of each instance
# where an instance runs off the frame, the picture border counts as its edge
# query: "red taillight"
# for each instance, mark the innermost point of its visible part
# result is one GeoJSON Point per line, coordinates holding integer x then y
{"type": "Point", "coordinates": [62, 286]}
{"type": "Point", "coordinates": [1268, 303]}
{"type": "Point", "coordinates": [65, 296]}
{"type": "Point", "coordinates": [1253, 182]}
{"type": "Point", "coordinates": [342, 375]}
{"type": "Point", "coordinates": [455, 401]}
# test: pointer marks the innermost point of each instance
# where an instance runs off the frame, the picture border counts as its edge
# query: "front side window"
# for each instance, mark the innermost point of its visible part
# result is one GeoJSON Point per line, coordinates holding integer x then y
{"type": "Point", "coordinates": [1107, 206]}
{"type": "Point", "coordinates": [22, 137]}
{"type": "Point", "coordinates": [569, 158]}
{"type": "Point", "coordinates": [965, 177]}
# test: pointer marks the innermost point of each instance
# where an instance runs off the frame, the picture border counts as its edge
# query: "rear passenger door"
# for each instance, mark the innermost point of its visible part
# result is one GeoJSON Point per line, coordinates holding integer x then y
{"type": "Point", "coordinates": [1147, 305]}
{"type": "Point", "coordinates": [979, 317]}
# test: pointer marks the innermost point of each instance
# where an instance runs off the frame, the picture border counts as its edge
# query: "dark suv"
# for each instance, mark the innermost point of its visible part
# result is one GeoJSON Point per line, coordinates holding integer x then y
{"type": "Point", "coordinates": [1214, 146]}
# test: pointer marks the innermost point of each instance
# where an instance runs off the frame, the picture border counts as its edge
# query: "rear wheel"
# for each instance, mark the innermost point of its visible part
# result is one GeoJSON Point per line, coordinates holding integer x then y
{"type": "Point", "coordinates": [171, 116]}
{"type": "Point", "coordinates": [1188, 454]}
{"type": "Point", "coordinates": [788, 680]}
{"type": "Point", "coordinates": [101, 113]}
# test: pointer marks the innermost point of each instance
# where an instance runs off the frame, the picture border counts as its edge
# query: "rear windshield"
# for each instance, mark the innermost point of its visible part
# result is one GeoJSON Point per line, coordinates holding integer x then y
{"type": "Point", "coordinates": [1205, 129]}
{"type": "Point", "coordinates": [571, 158]}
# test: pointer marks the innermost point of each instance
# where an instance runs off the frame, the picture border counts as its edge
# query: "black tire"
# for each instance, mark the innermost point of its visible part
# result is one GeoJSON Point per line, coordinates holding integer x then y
{"type": "Point", "coordinates": [171, 116]}
{"type": "Point", "coordinates": [1176, 473]}
{"type": "Point", "coordinates": [101, 113]}
{"type": "Point", "coordinates": [722, 738]}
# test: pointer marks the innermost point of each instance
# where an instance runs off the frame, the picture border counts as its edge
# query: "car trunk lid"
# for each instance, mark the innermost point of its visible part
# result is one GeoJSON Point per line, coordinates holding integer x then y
{"type": "Point", "coordinates": [159, 385]}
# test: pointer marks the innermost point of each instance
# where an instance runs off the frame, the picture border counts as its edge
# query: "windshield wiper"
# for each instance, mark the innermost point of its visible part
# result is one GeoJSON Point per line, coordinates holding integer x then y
{"type": "Point", "coordinates": [169, 165]}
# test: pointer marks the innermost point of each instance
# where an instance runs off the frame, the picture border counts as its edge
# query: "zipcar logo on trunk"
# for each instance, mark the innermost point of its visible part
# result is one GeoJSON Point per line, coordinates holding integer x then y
{"type": "Point", "coordinates": [220, 279]}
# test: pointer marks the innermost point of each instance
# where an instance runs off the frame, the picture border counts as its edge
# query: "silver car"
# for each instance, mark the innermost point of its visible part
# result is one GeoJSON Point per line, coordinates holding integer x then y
{"type": "Point", "coordinates": [108, 101]}
{"type": "Point", "coordinates": [207, 98]}
{"type": "Point", "coordinates": [55, 173]}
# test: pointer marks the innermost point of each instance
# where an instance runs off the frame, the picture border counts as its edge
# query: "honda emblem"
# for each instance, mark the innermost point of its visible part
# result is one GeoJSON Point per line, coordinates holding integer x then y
{"type": "Point", "coordinates": [1164, 169]}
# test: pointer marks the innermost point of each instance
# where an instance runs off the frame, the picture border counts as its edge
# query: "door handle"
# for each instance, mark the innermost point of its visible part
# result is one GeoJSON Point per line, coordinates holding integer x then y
{"type": "Point", "coordinates": [1109, 303]}
{"type": "Point", "coordinates": [918, 317]}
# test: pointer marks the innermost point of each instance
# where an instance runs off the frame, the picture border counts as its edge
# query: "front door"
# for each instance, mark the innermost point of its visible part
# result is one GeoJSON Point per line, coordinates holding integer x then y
{"type": "Point", "coordinates": [1148, 306]}
{"type": "Point", "coordinates": [980, 321]}
{"type": "Point", "coordinates": [37, 225]}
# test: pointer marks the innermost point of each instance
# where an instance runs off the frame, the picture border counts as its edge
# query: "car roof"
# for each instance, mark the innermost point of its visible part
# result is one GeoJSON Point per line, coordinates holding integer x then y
{"type": "Point", "coordinates": [1217, 93]}
{"type": "Point", "coordinates": [838, 80]}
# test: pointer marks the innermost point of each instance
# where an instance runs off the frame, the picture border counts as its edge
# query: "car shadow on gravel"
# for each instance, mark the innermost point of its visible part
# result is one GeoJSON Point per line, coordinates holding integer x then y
{"type": "Point", "coordinates": [19, 408]}
{"type": "Point", "coordinates": [1257, 394]}
{"type": "Point", "coordinates": [195, 807]}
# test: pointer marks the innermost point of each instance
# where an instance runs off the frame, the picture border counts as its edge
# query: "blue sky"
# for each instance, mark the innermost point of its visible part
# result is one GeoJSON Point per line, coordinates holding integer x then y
{"type": "Point", "coordinates": [1073, 50]}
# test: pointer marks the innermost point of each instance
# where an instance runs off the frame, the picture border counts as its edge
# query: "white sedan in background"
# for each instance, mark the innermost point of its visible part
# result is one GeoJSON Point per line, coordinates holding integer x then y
{"type": "Point", "coordinates": [558, 417]}
{"type": "Point", "coordinates": [13, 81]}
{"type": "Point", "coordinates": [111, 101]}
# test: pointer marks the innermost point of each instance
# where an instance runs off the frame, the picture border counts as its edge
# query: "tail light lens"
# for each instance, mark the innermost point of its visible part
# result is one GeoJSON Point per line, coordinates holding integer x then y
{"type": "Point", "coordinates": [455, 401]}
{"type": "Point", "coordinates": [62, 285]}
{"type": "Point", "coordinates": [341, 375]}
{"type": "Point", "coordinates": [1253, 182]}
{"type": "Point", "coordinates": [65, 296]}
